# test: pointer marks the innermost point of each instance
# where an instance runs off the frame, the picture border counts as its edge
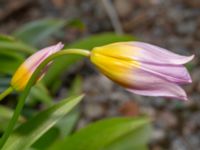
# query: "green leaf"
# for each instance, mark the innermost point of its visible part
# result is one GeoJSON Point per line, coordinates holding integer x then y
{"type": "Point", "coordinates": [68, 122]}
{"type": "Point", "coordinates": [99, 40]}
{"type": "Point", "coordinates": [134, 140]}
{"type": "Point", "coordinates": [106, 134]}
{"type": "Point", "coordinates": [4, 82]}
{"type": "Point", "coordinates": [40, 93]}
{"type": "Point", "coordinates": [58, 132]}
{"type": "Point", "coordinates": [12, 53]}
{"type": "Point", "coordinates": [35, 32]}
{"type": "Point", "coordinates": [26, 134]}
{"type": "Point", "coordinates": [8, 43]}
{"type": "Point", "coordinates": [47, 139]}
{"type": "Point", "coordinates": [9, 62]}
{"type": "Point", "coordinates": [6, 38]}
{"type": "Point", "coordinates": [65, 126]}
{"type": "Point", "coordinates": [7, 113]}
{"type": "Point", "coordinates": [76, 87]}
{"type": "Point", "coordinates": [5, 116]}
{"type": "Point", "coordinates": [63, 63]}
{"type": "Point", "coordinates": [76, 23]}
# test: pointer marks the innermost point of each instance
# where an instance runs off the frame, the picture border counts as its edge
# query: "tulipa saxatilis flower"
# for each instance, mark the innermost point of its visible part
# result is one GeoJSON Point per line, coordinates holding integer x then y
{"type": "Point", "coordinates": [24, 72]}
{"type": "Point", "coordinates": [143, 68]}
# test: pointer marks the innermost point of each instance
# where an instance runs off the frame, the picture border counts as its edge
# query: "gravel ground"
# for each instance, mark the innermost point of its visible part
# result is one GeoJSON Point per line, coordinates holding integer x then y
{"type": "Point", "coordinates": [173, 24]}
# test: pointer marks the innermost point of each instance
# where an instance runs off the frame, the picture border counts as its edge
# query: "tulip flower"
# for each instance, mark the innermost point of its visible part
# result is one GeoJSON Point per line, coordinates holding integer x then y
{"type": "Point", "coordinates": [143, 68]}
{"type": "Point", "coordinates": [24, 72]}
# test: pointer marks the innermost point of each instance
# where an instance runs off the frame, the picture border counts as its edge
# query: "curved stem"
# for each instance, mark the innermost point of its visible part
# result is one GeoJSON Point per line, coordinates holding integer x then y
{"type": "Point", "coordinates": [5, 93]}
{"type": "Point", "coordinates": [30, 83]}
{"type": "Point", "coordinates": [74, 51]}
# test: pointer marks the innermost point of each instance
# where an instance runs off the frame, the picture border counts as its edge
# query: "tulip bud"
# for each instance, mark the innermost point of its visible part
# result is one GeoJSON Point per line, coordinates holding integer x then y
{"type": "Point", "coordinates": [24, 72]}
{"type": "Point", "coordinates": [143, 68]}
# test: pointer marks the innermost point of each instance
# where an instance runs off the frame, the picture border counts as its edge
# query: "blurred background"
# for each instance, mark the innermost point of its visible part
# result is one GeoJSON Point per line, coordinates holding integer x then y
{"type": "Point", "coordinates": [172, 24]}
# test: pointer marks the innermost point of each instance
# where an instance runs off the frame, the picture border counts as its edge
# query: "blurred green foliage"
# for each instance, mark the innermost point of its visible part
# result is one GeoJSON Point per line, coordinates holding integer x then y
{"type": "Point", "coordinates": [26, 134]}
{"type": "Point", "coordinates": [109, 134]}
{"type": "Point", "coordinates": [35, 32]}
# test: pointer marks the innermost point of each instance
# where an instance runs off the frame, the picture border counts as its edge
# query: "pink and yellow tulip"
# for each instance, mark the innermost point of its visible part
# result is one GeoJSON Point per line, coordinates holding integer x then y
{"type": "Point", "coordinates": [24, 72]}
{"type": "Point", "coordinates": [143, 68]}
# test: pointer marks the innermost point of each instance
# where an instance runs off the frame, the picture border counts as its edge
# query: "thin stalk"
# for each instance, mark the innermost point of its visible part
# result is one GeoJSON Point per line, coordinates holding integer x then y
{"type": "Point", "coordinates": [30, 83]}
{"type": "Point", "coordinates": [5, 93]}
{"type": "Point", "coordinates": [113, 16]}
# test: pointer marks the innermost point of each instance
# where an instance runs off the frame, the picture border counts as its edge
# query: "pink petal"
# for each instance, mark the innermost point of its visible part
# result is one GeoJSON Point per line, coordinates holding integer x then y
{"type": "Point", "coordinates": [165, 90]}
{"type": "Point", "coordinates": [172, 73]}
{"type": "Point", "coordinates": [157, 55]}
{"type": "Point", "coordinates": [145, 83]}
{"type": "Point", "coordinates": [34, 61]}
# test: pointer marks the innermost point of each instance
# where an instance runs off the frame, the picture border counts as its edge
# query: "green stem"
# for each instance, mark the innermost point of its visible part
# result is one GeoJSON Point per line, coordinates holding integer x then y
{"type": "Point", "coordinates": [74, 51]}
{"type": "Point", "coordinates": [6, 92]}
{"type": "Point", "coordinates": [30, 83]}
